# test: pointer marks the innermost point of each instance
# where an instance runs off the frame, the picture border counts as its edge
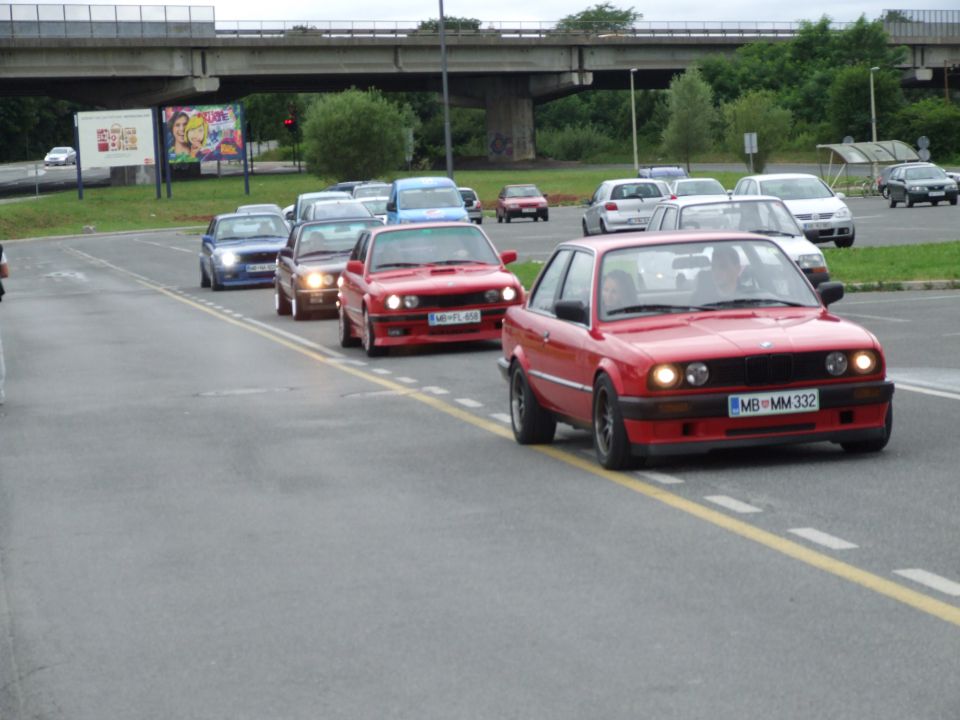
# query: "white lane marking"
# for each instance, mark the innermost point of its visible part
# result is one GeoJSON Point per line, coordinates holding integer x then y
{"type": "Point", "coordinates": [382, 371]}
{"type": "Point", "coordinates": [407, 380]}
{"type": "Point", "coordinates": [928, 391]}
{"type": "Point", "coordinates": [296, 338]}
{"type": "Point", "coordinates": [900, 300]}
{"type": "Point", "coordinates": [661, 478]}
{"type": "Point", "coordinates": [467, 402]}
{"type": "Point", "coordinates": [434, 390]}
{"type": "Point", "coordinates": [731, 504]}
{"type": "Point", "coordinates": [874, 317]}
{"type": "Point", "coordinates": [161, 245]}
{"type": "Point", "coordinates": [951, 335]}
{"type": "Point", "coordinates": [948, 587]}
{"type": "Point", "coordinates": [501, 417]}
{"type": "Point", "coordinates": [822, 538]}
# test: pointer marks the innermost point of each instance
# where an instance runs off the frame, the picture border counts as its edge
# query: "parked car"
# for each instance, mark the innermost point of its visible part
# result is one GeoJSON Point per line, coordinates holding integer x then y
{"type": "Point", "coordinates": [662, 172]}
{"type": "Point", "coordinates": [624, 204]}
{"type": "Point", "coordinates": [921, 182]}
{"type": "Point", "coordinates": [240, 249]}
{"type": "Point", "coordinates": [820, 211]}
{"type": "Point", "coordinates": [515, 201]}
{"type": "Point", "coordinates": [305, 199]}
{"type": "Point", "coordinates": [471, 201]}
{"type": "Point", "coordinates": [757, 214]}
{"type": "Point", "coordinates": [371, 189]}
{"type": "Point", "coordinates": [883, 176]}
{"type": "Point", "coordinates": [261, 208]}
{"type": "Point", "coordinates": [377, 206]}
{"type": "Point", "coordinates": [335, 210]}
{"type": "Point", "coordinates": [652, 372]}
{"type": "Point", "coordinates": [309, 266]}
{"type": "Point", "coordinates": [61, 156]}
{"type": "Point", "coordinates": [681, 187]}
{"type": "Point", "coordinates": [425, 283]}
{"type": "Point", "coordinates": [346, 186]}
{"type": "Point", "coordinates": [425, 199]}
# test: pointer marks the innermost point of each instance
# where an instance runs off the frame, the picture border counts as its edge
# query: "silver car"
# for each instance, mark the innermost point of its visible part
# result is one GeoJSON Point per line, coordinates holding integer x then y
{"type": "Point", "coordinates": [471, 201]}
{"type": "Point", "coordinates": [757, 214]}
{"type": "Point", "coordinates": [682, 187]}
{"type": "Point", "coordinates": [625, 204]}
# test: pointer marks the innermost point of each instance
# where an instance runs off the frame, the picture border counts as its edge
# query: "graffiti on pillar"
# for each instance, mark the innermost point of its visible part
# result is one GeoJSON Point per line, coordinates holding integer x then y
{"type": "Point", "coordinates": [501, 144]}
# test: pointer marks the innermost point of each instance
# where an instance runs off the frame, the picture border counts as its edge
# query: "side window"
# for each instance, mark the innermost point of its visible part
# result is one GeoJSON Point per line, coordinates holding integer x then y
{"type": "Point", "coordinates": [669, 218]}
{"type": "Point", "coordinates": [656, 219]}
{"type": "Point", "coordinates": [360, 249]}
{"type": "Point", "coordinates": [544, 295]}
{"type": "Point", "coordinates": [579, 279]}
{"type": "Point", "coordinates": [211, 228]}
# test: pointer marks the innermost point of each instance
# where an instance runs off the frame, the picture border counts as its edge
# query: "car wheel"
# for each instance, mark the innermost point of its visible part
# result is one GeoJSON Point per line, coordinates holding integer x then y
{"type": "Point", "coordinates": [369, 339]}
{"type": "Point", "coordinates": [506, 216]}
{"type": "Point", "coordinates": [343, 330]}
{"type": "Point", "coordinates": [885, 192]}
{"type": "Point", "coordinates": [546, 217]}
{"type": "Point", "coordinates": [280, 302]}
{"type": "Point", "coordinates": [204, 278]}
{"type": "Point", "coordinates": [583, 225]}
{"type": "Point", "coordinates": [609, 434]}
{"type": "Point", "coordinates": [603, 228]}
{"type": "Point", "coordinates": [532, 425]}
{"type": "Point", "coordinates": [215, 283]}
{"type": "Point", "coordinates": [893, 203]}
{"type": "Point", "coordinates": [909, 202]}
{"type": "Point", "coordinates": [844, 242]}
{"type": "Point", "coordinates": [499, 218]}
{"type": "Point", "coordinates": [868, 446]}
{"type": "Point", "coordinates": [296, 308]}
{"type": "Point", "coordinates": [953, 201]}
{"type": "Point", "coordinates": [934, 202]}
{"type": "Point", "coordinates": [479, 221]}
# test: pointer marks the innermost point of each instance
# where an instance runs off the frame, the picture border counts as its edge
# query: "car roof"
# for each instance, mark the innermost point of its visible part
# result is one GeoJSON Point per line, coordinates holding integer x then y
{"type": "Point", "coordinates": [604, 243]}
{"type": "Point", "coordinates": [416, 182]}
{"type": "Point", "coordinates": [426, 226]}
{"type": "Point", "coordinates": [636, 180]}
{"type": "Point", "coordinates": [248, 215]}
{"type": "Point", "coordinates": [338, 221]}
{"type": "Point", "coordinates": [782, 176]}
{"type": "Point", "coordinates": [686, 200]}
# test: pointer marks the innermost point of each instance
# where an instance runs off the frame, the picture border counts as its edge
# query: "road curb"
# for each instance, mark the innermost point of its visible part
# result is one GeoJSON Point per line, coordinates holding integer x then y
{"type": "Point", "coordinates": [894, 285]}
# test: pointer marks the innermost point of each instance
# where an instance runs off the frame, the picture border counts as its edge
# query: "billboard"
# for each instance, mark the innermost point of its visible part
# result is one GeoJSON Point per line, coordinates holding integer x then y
{"type": "Point", "coordinates": [200, 133]}
{"type": "Point", "coordinates": [116, 138]}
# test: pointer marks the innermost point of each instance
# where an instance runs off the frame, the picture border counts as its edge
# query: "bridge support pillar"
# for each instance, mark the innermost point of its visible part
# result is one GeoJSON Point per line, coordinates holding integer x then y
{"type": "Point", "coordinates": [510, 130]}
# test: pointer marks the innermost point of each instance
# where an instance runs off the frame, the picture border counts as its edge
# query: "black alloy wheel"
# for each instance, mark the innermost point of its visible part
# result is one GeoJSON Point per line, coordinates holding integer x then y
{"type": "Point", "coordinates": [280, 302]}
{"type": "Point", "coordinates": [344, 333]}
{"type": "Point", "coordinates": [369, 338]}
{"type": "Point", "coordinates": [609, 434]}
{"type": "Point", "coordinates": [532, 425]}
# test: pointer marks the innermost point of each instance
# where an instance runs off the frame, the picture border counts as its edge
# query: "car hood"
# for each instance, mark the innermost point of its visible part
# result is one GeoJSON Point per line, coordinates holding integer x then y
{"type": "Point", "coordinates": [795, 245]}
{"type": "Point", "coordinates": [442, 280]}
{"type": "Point", "coordinates": [734, 333]}
{"type": "Point", "coordinates": [815, 205]}
{"type": "Point", "coordinates": [433, 215]}
{"type": "Point", "coordinates": [323, 263]}
{"type": "Point", "coordinates": [265, 245]}
{"type": "Point", "coordinates": [931, 182]}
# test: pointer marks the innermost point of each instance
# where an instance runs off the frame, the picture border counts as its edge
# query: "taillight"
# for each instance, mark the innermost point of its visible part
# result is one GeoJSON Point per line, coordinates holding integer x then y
{"type": "Point", "coordinates": [610, 206]}
{"type": "Point", "coordinates": [478, 205]}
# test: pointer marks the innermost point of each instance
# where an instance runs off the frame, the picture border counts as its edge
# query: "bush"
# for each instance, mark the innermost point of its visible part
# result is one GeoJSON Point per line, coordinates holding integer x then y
{"type": "Point", "coordinates": [580, 142]}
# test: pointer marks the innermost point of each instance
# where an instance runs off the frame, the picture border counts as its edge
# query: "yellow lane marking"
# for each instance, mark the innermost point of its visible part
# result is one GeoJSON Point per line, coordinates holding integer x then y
{"type": "Point", "coordinates": [924, 603]}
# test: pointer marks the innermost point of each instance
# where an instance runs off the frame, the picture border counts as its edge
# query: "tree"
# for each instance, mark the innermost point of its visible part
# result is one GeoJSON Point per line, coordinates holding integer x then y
{"type": "Point", "coordinates": [265, 112]}
{"type": "Point", "coordinates": [354, 134]}
{"type": "Point", "coordinates": [690, 127]}
{"type": "Point", "coordinates": [848, 106]}
{"type": "Point", "coordinates": [450, 24]}
{"type": "Point", "coordinates": [602, 17]}
{"type": "Point", "coordinates": [934, 118]}
{"type": "Point", "coordinates": [756, 111]}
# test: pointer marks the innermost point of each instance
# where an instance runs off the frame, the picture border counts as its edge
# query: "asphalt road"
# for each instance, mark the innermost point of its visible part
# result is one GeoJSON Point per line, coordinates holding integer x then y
{"type": "Point", "coordinates": [209, 511]}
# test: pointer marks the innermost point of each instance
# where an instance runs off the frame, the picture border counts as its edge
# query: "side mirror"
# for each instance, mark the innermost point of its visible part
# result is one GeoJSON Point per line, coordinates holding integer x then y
{"type": "Point", "coordinates": [830, 292]}
{"type": "Point", "coordinates": [355, 267]}
{"type": "Point", "coordinates": [546, 197]}
{"type": "Point", "coordinates": [289, 215]}
{"type": "Point", "coordinates": [208, 239]}
{"type": "Point", "coordinates": [572, 310]}
{"type": "Point", "coordinates": [391, 206]}
{"type": "Point", "coordinates": [508, 256]}
{"type": "Point", "coordinates": [841, 195]}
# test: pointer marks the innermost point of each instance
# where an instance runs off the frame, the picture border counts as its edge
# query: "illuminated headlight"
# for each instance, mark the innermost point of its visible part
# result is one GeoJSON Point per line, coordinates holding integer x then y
{"type": "Point", "coordinates": [837, 363]}
{"type": "Point", "coordinates": [917, 188]}
{"type": "Point", "coordinates": [228, 259]}
{"type": "Point", "coordinates": [491, 295]}
{"type": "Point", "coordinates": [843, 214]}
{"type": "Point", "coordinates": [697, 374]}
{"type": "Point", "coordinates": [509, 294]}
{"type": "Point", "coordinates": [339, 281]}
{"type": "Point", "coordinates": [411, 301]}
{"type": "Point", "coordinates": [813, 260]}
{"type": "Point", "coordinates": [864, 362]}
{"type": "Point", "coordinates": [393, 302]}
{"type": "Point", "coordinates": [665, 376]}
{"type": "Point", "coordinates": [314, 280]}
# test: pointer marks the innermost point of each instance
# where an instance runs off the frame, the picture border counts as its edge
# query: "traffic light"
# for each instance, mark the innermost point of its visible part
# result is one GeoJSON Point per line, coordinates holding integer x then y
{"type": "Point", "coordinates": [290, 124]}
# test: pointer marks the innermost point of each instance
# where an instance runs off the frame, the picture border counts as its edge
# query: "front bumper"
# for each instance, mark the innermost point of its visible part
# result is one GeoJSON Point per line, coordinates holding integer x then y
{"type": "Point", "coordinates": [313, 299]}
{"type": "Point", "coordinates": [828, 230]}
{"type": "Point", "coordinates": [413, 328]}
{"type": "Point", "coordinates": [925, 197]}
{"type": "Point", "coordinates": [239, 277]}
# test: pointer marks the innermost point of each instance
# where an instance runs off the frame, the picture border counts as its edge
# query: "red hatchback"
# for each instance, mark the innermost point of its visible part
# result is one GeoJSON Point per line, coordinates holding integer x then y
{"type": "Point", "coordinates": [515, 201]}
{"type": "Point", "coordinates": [675, 343]}
{"type": "Point", "coordinates": [425, 283]}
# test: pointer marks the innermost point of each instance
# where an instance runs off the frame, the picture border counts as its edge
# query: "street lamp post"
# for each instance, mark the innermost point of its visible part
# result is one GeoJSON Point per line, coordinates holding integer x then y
{"type": "Point", "coordinates": [447, 142]}
{"type": "Point", "coordinates": [873, 106]}
{"type": "Point", "coordinates": [633, 117]}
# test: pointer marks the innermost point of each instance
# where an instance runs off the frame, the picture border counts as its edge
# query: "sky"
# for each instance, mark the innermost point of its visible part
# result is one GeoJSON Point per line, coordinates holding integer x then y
{"type": "Point", "coordinates": [732, 11]}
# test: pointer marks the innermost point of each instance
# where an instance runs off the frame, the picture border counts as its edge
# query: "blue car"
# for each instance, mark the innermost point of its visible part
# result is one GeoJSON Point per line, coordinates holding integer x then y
{"type": "Point", "coordinates": [425, 199]}
{"type": "Point", "coordinates": [240, 249]}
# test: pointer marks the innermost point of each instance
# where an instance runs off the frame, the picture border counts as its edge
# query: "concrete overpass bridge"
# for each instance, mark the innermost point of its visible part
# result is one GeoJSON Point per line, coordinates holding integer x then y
{"type": "Point", "coordinates": [143, 56]}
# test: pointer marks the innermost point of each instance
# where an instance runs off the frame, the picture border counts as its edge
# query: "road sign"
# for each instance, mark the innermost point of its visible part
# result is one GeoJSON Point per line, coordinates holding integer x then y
{"type": "Point", "coordinates": [923, 142]}
{"type": "Point", "coordinates": [750, 143]}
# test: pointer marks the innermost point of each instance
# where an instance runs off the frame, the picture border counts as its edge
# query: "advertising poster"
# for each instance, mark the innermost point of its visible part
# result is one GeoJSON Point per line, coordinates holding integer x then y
{"type": "Point", "coordinates": [116, 138]}
{"type": "Point", "coordinates": [200, 133]}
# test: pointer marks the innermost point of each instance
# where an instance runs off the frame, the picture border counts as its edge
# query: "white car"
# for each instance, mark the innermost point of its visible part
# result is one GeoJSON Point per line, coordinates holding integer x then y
{"type": "Point", "coordinates": [767, 216]}
{"type": "Point", "coordinates": [682, 187]}
{"type": "Point", "coordinates": [821, 212]}
{"type": "Point", "coordinates": [625, 204]}
{"type": "Point", "coordinates": [377, 206]}
{"type": "Point", "coordinates": [61, 156]}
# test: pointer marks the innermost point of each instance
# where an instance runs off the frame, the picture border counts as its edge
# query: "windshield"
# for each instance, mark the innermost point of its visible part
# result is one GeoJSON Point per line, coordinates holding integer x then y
{"type": "Point", "coordinates": [759, 216]}
{"type": "Point", "coordinates": [330, 238]}
{"type": "Point", "coordinates": [522, 191]}
{"type": "Point", "coordinates": [365, 191]}
{"type": "Point", "coordinates": [433, 246]}
{"type": "Point", "coordinates": [327, 209]}
{"type": "Point", "coordinates": [924, 173]}
{"type": "Point", "coordinates": [689, 277]}
{"type": "Point", "coordinates": [251, 227]}
{"type": "Point", "coordinates": [699, 187]}
{"type": "Point", "coordinates": [796, 189]}
{"type": "Point", "coordinates": [430, 197]}
{"type": "Point", "coordinates": [635, 191]}
{"type": "Point", "coordinates": [60, 150]}
{"type": "Point", "coordinates": [376, 205]}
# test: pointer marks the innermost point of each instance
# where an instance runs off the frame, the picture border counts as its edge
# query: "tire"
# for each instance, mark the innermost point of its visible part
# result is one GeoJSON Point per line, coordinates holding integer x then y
{"type": "Point", "coordinates": [296, 309]}
{"type": "Point", "coordinates": [369, 339]}
{"type": "Point", "coordinates": [583, 224]}
{"type": "Point", "coordinates": [603, 228]}
{"type": "Point", "coordinates": [479, 221]}
{"type": "Point", "coordinates": [280, 302]}
{"type": "Point", "coordinates": [893, 203]}
{"type": "Point", "coordinates": [204, 278]}
{"type": "Point", "coordinates": [499, 218]}
{"type": "Point", "coordinates": [215, 283]}
{"type": "Point", "coordinates": [609, 435]}
{"type": "Point", "coordinates": [844, 242]}
{"type": "Point", "coordinates": [506, 217]}
{"type": "Point", "coordinates": [934, 202]}
{"type": "Point", "coordinates": [871, 446]}
{"type": "Point", "coordinates": [909, 202]}
{"type": "Point", "coordinates": [343, 330]}
{"type": "Point", "coordinates": [953, 201]}
{"type": "Point", "coordinates": [532, 425]}
{"type": "Point", "coordinates": [545, 217]}
{"type": "Point", "coordinates": [885, 193]}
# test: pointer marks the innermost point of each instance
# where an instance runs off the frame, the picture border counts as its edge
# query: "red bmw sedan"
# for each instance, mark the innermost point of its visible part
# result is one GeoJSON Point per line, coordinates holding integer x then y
{"type": "Point", "coordinates": [685, 342]}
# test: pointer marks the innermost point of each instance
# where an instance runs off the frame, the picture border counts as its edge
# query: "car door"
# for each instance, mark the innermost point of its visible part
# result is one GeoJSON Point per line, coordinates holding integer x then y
{"type": "Point", "coordinates": [353, 286]}
{"type": "Point", "coordinates": [207, 244]}
{"type": "Point", "coordinates": [287, 265]}
{"type": "Point", "coordinates": [896, 186]}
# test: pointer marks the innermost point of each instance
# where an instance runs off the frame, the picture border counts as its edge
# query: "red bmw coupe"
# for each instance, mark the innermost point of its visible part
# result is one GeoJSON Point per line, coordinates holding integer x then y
{"type": "Point", "coordinates": [425, 283]}
{"type": "Point", "coordinates": [685, 342]}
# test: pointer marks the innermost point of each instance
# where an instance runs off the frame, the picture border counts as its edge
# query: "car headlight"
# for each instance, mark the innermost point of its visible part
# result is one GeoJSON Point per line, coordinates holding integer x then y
{"type": "Point", "coordinates": [393, 302]}
{"type": "Point", "coordinates": [813, 260]}
{"type": "Point", "coordinates": [864, 362]}
{"type": "Point", "coordinates": [837, 363]}
{"type": "Point", "coordinates": [664, 376]}
{"type": "Point", "coordinates": [228, 259]}
{"type": "Point", "coordinates": [697, 374]}
{"type": "Point", "coordinates": [314, 280]}
{"type": "Point", "coordinates": [339, 281]}
{"type": "Point", "coordinates": [917, 188]}
{"type": "Point", "coordinates": [843, 214]}
{"type": "Point", "coordinates": [411, 301]}
{"type": "Point", "coordinates": [509, 294]}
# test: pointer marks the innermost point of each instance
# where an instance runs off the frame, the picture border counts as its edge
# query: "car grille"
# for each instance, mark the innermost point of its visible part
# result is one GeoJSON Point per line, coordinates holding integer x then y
{"type": "Point", "coordinates": [763, 370]}
{"type": "Point", "coordinates": [814, 216]}
{"type": "Point", "coordinates": [258, 257]}
{"type": "Point", "coordinates": [448, 301]}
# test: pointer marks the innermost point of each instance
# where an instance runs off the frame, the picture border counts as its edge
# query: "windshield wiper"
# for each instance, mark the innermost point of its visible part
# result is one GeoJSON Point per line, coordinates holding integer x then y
{"type": "Point", "coordinates": [458, 262]}
{"type": "Point", "coordinates": [398, 265]}
{"type": "Point", "coordinates": [324, 252]}
{"type": "Point", "coordinates": [655, 308]}
{"type": "Point", "coordinates": [778, 233]}
{"type": "Point", "coordinates": [746, 302]}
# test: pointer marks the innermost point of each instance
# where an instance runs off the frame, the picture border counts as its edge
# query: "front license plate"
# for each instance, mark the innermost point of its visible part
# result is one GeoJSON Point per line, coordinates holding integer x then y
{"type": "Point", "coordinates": [529, 210]}
{"type": "Point", "coordinates": [262, 267]}
{"type": "Point", "coordinates": [454, 317]}
{"type": "Point", "coordinates": [816, 226]}
{"type": "Point", "coordinates": [936, 193]}
{"type": "Point", "coordinates": [775, 403]}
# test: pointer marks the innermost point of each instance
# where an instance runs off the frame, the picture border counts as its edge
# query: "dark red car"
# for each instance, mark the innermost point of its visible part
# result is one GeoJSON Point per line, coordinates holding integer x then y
{"type": "Point", "coordinates": [746, 354]}
{"type": "Point", "coordinates": [515, 201]}
{"type": "Point", "coordinates": [425, 283]}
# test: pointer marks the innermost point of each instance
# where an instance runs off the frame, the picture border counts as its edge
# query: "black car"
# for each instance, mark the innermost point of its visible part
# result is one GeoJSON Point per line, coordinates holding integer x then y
{"type": "Point", "coordinates": [921, 182]}
{"type": "Point", "coordinates": [308, 267]}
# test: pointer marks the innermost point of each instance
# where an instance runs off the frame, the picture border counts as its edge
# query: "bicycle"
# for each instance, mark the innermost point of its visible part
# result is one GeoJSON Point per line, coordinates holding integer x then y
{"type": "Point", "coordinates": [870, 187]}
